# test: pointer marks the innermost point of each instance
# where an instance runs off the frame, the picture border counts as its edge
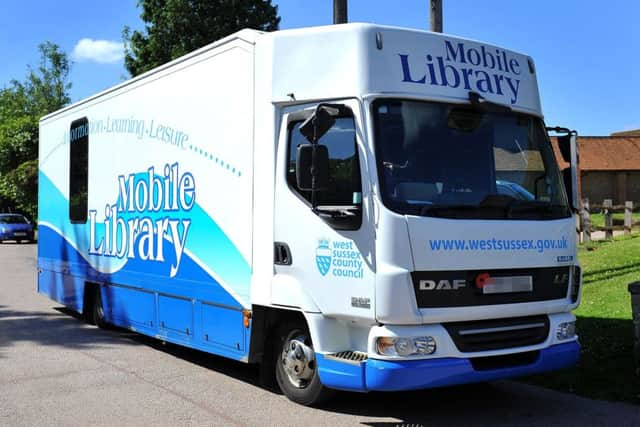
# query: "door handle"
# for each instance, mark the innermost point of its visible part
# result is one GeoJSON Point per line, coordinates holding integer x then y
{"type": "Point", "coordinates": [281, 254]}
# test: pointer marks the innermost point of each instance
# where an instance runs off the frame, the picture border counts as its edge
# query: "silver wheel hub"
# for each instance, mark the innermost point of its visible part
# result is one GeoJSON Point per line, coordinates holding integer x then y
{"type": "Point", "coordinates": [298, 360]}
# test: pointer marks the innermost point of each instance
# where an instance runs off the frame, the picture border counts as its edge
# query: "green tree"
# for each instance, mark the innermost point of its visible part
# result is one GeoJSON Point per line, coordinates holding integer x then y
{"type": "Point", "coordinates": [176, 27]}
{"type": "Point", "coordinates": [44, 90]}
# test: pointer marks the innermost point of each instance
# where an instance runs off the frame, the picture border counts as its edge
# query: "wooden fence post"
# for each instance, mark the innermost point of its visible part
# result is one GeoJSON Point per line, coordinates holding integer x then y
{"type": "Point", "coordinates": [608, 218]}
{"type": "Point", "coordinates": [628, 217]}
{"type": "Point", "coordinates": [586, 221]}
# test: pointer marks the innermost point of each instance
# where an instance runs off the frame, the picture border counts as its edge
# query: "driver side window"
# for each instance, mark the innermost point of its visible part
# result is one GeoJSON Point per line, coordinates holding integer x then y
{"type": "Point", "coordinates": [345, 187]}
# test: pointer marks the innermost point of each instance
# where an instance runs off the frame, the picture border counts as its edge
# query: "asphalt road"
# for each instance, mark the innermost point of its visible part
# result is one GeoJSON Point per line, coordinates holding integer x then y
{"type": "Point", "coordinates": [56, 370]}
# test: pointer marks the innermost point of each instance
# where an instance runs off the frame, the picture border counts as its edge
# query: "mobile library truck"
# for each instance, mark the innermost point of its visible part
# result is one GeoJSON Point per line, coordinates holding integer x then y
{"type": "Point", "coordinates": [353, 207]}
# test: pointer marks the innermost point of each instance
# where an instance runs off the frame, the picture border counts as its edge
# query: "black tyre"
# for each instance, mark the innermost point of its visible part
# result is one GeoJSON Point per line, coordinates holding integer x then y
{"type": "Point", "coordinates": [296, 367]}
{"type": "Point", "coordinates": [97, 310]}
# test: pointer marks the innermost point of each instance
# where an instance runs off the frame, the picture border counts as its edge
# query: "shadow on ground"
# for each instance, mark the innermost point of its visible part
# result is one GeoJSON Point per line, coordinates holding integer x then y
{"type": "Point", "coordinates": [610, 273]}
{"type": "Point", "coordinates": [499, 403]}
{"type": "Point", "coordinates": [62, 329]}
{"type": "Point", "coordinates": [606, 369]}
{"type": "Point", "coordinates": [412, 408]}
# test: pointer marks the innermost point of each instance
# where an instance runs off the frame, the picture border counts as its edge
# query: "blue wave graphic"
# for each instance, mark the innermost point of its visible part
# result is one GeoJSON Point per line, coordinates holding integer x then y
{"type": "Point", "coordinates": [206, 241]}
{"type": "Point", "coordinates": [55, 253]}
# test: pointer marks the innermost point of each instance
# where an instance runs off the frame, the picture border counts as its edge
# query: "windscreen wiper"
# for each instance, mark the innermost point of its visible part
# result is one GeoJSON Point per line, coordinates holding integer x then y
{"type": "Point", "coordinates": [456, 211]}
{"type": "Point", "coordinates": [439, 208]}
{"type": "Point", "coordinates": [512, 205]}
{"type": "Point", "coordinates": [493, 207]}
{"type": "Point", "coordinates": [544, 208]}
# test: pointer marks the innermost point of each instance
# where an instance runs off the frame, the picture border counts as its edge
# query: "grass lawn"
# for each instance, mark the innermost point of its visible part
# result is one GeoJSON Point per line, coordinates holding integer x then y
{"type": "Point", "coordinates": [597, 219]}
{"type": "Point", "coordinates": [606, 369]}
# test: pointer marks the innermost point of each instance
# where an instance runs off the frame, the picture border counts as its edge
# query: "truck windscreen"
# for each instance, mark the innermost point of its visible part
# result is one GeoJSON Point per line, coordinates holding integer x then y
{"type": "Point", "coordinates": [454, 161]}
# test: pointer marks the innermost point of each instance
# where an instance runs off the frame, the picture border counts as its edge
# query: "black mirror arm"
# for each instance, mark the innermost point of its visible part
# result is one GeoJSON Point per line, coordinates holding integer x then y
{"type": "Point", "coordinates": [314, 169]}
{"type": "Point", "coordinates": [338, 109]}
{"type": "Point", "coordinates": [314, 173]}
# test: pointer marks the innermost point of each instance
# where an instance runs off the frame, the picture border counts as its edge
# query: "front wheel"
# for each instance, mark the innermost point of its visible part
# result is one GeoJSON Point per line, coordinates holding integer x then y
{"type": "Point", "coordinates": [296, 367]}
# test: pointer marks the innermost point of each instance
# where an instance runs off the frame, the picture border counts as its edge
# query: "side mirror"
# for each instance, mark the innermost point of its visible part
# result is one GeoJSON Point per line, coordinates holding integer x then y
{"type": "Point", "coordinates": [312, 167]}
{"type": "Point", "coordinates": [317, 125]}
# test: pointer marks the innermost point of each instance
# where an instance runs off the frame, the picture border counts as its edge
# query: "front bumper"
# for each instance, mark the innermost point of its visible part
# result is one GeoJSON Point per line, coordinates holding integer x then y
{"type": "Point", "coordinates": [388, 375]}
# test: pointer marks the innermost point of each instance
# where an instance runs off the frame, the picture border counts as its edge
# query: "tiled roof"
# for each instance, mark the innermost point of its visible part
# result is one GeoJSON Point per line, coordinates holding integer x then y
{"type": "Point", "coordinates": [605, 153]}
{"type": "Point", "coordinates": [609, 153]}
{"type": "Point", "coordinates": [635, 132]}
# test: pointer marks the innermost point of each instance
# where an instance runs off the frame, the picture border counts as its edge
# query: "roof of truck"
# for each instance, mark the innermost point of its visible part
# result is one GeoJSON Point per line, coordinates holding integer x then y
{"type": "Point", "coordinates": [251, 36]}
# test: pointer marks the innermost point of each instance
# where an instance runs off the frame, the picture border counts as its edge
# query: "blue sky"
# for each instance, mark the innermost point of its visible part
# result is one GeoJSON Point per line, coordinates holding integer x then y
{"type": "Point", "coordinates": [587, 52]}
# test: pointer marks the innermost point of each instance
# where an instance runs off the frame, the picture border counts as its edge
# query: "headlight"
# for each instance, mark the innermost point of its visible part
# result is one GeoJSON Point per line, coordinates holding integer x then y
{"type": "Point", "coordinates": [425, 345]}
{"type": "Point", "coordinates": [566, 330]}
{"type": "Point", "coordinates": [405, 346]}
{"type": "Point", "coordinates": [3, 230]}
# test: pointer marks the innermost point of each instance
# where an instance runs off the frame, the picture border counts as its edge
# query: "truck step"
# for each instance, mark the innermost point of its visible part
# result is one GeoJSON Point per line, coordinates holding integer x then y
{"type": "Point", "coordinates": [348, 356]}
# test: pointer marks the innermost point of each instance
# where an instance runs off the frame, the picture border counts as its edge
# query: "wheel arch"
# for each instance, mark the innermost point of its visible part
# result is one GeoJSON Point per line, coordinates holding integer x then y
{"type": "Point", "coordinates": [265, 321]}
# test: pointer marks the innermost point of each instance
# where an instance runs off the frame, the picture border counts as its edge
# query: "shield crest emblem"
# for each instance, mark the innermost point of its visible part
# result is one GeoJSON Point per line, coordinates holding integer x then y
{"type": "Point", "coordinates": [323, 256]}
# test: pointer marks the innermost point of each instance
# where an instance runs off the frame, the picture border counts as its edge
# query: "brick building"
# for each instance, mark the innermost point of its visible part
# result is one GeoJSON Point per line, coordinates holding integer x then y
{"type": "Point", "coordinates": [609, 167]}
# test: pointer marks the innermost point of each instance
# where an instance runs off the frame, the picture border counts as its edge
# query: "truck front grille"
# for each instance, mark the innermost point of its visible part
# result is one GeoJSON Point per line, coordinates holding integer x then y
{"type": "Point", "coordinates": [460, 288]}
{"type": "Point", "coordinates": [483, 335]}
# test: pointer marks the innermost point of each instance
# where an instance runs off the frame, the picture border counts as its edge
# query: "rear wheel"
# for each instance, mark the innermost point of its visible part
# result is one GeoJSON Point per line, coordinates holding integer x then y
{"type": "Point", "coordinates": [97, 309]}
{"type": "Point", "coordinates": [296, 367]}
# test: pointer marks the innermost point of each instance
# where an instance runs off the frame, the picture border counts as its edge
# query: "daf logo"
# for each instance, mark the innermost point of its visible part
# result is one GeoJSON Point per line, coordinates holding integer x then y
{"type": "Point", "coordinates": [442, 285]}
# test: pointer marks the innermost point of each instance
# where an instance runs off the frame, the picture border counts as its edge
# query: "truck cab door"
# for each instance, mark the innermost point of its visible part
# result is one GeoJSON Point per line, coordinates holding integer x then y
{"type": "Point", "coordinates": [325, 258]}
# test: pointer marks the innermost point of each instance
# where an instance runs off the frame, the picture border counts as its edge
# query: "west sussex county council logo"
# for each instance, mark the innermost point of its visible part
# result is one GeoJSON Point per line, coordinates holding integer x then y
{"type": "Point", "coordinates": [323, 256]}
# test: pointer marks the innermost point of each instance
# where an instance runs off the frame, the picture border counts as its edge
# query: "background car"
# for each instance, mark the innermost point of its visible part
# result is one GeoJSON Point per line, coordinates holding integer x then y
{"type": "Point", "coordinates": [15, 227]}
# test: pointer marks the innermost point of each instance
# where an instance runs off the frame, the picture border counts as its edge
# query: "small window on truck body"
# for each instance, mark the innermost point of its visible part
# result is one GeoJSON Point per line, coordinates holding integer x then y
{"type": "Point", "coordinates": [78, 170]}
{"type": "Point", "coordinates": [345, 186]}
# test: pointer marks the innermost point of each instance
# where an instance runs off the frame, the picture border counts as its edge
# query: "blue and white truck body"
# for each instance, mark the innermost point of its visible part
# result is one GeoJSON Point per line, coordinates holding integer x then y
{"type": "Point", "coordinates": [440, 249]}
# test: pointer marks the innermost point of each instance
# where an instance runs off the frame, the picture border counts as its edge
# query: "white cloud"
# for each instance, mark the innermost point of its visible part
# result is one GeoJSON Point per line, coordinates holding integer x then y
{"type": "Point", "coordinates": [101, 51]}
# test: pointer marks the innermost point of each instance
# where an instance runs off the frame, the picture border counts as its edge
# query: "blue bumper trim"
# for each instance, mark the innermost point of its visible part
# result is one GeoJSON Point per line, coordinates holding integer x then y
{"type": "Point", "coordinates": [385, 375]}
{"type": "Point", "coordinates": [341, 375]}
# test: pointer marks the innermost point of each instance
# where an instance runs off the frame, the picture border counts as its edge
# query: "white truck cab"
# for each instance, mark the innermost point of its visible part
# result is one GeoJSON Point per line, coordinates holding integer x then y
{"type": "Point", "coordinates": [439, 244]}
